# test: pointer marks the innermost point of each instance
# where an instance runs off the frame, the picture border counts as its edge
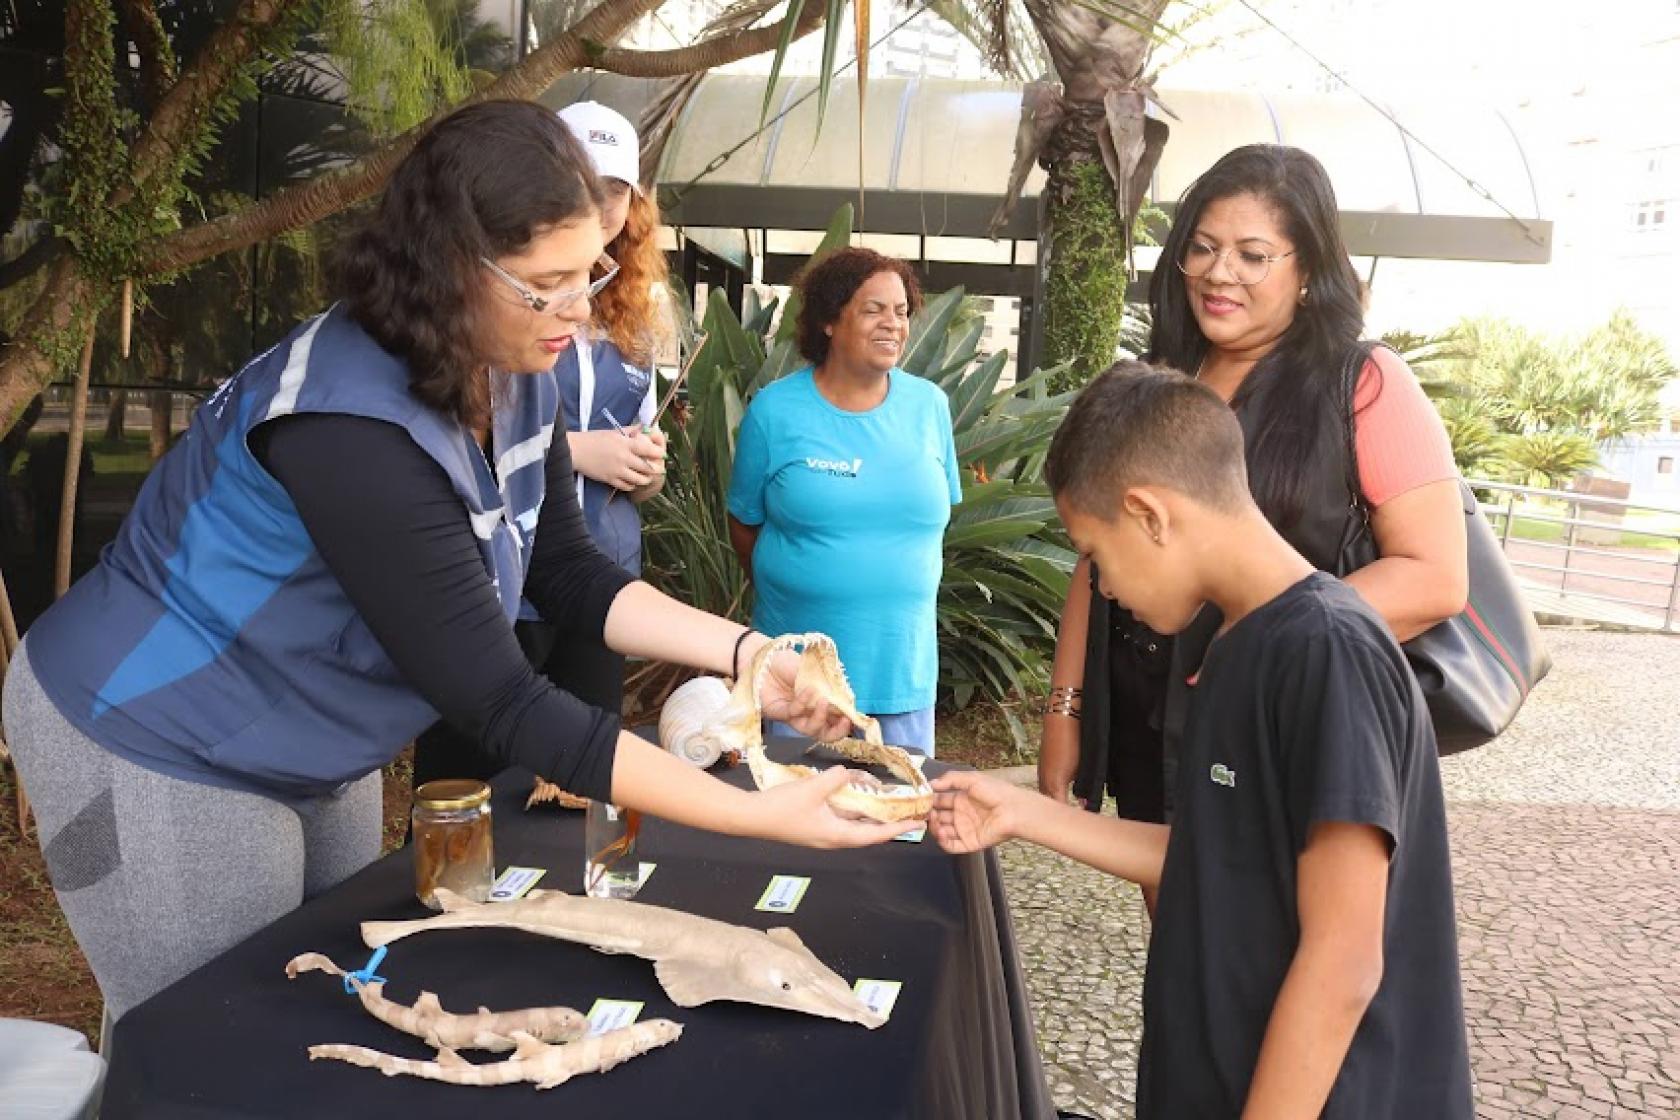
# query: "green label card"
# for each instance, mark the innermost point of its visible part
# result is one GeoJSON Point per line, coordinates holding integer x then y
{"type": "Point", "coordinates": [783, 894]}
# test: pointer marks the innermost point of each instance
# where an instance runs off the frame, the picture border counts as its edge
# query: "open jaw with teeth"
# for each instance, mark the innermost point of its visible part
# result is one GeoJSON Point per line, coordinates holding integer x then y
{"type": "Point", "coordinates": [740, 728]}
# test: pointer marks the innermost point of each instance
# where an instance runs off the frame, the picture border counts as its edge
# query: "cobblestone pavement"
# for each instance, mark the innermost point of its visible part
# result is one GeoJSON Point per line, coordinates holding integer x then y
{"type": "Point", "coordinates": [1566, 860]}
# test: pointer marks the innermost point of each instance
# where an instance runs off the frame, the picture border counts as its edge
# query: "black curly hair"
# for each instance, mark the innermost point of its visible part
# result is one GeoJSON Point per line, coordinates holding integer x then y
{"type": "Point", "coordinates": [482, 183]}
{"type": "Point", "coordinates": [828, 283]}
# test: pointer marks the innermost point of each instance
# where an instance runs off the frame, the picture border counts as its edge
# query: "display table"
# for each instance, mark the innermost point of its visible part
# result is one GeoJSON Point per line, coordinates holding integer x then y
{"type": "Point", "coordinates": [231, 1039]}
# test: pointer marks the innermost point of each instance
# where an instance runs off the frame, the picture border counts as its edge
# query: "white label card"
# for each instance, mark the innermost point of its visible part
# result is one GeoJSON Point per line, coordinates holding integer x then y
{"type": "Point", "coordinates": [611, 1014]}
{"type": "Point", "coordinates": [878, 995]}
{"type": "Point", "coordinates": [783, 894]}
{"type": "Point", "coordinates": [515, 882]}
{"type": "Point", "coordinates": [914, 836]}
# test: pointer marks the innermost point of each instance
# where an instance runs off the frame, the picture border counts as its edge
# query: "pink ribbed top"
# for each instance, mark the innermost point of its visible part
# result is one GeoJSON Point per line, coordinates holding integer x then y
{"type": "Point", "coordinates": [1398, 435]}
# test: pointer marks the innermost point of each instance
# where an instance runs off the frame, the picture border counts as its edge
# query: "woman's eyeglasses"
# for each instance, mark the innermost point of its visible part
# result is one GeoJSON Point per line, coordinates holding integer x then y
{"type": "Point", "coordinates": [554, 302]}
{"type": "Point", "coordinates": [1246, 266]}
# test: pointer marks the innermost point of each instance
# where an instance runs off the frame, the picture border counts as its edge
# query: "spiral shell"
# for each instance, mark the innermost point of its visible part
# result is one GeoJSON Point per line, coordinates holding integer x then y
{"type": "Point", "coordinates": [687, 713]}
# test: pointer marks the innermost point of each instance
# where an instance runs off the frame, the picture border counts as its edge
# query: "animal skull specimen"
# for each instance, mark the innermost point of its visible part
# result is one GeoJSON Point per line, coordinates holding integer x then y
{"type": "Point", "coordinates": [533, 1060]}
{"type": "Point", "coordinates": [428, 1021]}
{"type": "Point", "coordinates": [698, 960]}
{"type": "Point", "coordinates": [740, 728]}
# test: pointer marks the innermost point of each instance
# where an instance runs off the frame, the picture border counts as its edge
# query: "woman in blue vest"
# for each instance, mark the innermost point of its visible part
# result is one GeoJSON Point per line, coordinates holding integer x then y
{"type": "Point", "coordinates": [333, 556]}
{"type": "Point", "coordinates": [607, 396]}
{"type": "Point", "coordinates": [845, 475]}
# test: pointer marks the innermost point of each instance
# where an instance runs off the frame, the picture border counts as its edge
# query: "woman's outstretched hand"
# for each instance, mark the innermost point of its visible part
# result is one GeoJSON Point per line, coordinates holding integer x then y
{"type": "Point", "coordinates": [799, 813]}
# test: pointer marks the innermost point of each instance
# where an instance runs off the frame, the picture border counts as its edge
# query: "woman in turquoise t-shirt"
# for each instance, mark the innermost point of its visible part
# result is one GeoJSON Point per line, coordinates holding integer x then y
{"type": "Point", "coordinates": [845, 475]}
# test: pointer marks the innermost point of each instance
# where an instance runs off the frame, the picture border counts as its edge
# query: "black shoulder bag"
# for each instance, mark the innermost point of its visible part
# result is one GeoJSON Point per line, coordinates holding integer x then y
{"type": "Point", "coordinates": [1475, 668]}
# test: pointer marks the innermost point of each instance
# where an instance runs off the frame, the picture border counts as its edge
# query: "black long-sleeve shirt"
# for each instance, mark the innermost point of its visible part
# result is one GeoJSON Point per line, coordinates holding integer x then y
{"type": "Point", "coordinates": [386, 520]}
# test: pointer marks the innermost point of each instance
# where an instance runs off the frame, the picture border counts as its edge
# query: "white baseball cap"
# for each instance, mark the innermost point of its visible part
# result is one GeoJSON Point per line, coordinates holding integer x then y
{"type": "Point", "coordinates": [609, 139]}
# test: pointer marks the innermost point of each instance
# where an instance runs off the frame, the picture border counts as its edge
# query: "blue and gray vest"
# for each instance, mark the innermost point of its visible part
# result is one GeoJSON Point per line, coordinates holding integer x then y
{"type": "Point", "coordinates": [212, 643]}
{"type": "Point", "coordinates": [601, 385]}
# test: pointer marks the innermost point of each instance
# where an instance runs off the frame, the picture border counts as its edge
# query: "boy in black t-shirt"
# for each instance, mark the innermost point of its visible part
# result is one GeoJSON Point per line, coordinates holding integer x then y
{"type": "Point", "coordinates": [1304, 958]}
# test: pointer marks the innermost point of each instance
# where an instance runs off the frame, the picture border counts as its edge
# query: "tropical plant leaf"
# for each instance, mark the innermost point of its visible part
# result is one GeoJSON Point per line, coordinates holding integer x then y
{"type": "Point", "coordinates": [782, 44]}
{"type": "Point", "coordinates": [990, 530]}
{"type": "Point", "coordinates": [970, 396]}
{"type": "Point", "coordinates": [757, 316]}
{"type": "Point", "coordinates": [831, 42]}
{"type": "Point", "coordinates": [928, 331]}
{"type": "Point", "coordinates": [958, 353]}
{"type": "Point", "coordinates": [783, 360]}
{"type": "Point", "coordinates": [837, 236]}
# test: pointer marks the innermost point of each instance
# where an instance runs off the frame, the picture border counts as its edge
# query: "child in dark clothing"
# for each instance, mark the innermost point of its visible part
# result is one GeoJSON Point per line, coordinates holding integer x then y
{"type": "Point", "coordinates": [1304, 957]}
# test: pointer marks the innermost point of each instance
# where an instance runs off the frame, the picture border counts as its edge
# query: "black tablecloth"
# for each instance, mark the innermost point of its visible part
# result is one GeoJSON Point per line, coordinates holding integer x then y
{"type": "Point", "coordinates": [231, 1038]}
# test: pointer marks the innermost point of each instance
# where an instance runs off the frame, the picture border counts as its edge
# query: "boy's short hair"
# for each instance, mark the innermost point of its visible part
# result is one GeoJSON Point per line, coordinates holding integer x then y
{"type": "Point", "coordinates": [1141, 425]}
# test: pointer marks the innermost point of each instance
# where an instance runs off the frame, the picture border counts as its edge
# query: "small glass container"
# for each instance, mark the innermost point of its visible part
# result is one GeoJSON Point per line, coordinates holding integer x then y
{"type": "Point", "coordinates": [452, 847]}
{"type": "Point", "coordinates": [610, 867]}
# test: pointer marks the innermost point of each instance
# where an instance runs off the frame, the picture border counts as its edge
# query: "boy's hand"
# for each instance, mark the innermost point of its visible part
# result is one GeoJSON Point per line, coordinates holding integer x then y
{"type": "Point", "coordinates": [972, 811]}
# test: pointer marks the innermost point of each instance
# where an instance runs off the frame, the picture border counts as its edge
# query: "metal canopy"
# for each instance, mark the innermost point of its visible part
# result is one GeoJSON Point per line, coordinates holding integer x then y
{"type": "Point", "coordinates": [938, 152]}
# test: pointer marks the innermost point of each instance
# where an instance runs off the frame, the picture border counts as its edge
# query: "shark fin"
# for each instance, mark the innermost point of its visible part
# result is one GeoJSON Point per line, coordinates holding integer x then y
{"type": "Point", "coordinates": [527, 1048]}
{"type": "Point", "coordinates": [689, 983]}
{"type": "Point", "coordinates": [786, 938]}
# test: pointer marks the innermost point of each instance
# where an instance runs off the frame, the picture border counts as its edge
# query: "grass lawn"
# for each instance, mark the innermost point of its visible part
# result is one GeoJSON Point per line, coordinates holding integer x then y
{"type": "Point", "coordinates": [1531, 529]}
{"type": "Point", "coordinates": [112, 459]}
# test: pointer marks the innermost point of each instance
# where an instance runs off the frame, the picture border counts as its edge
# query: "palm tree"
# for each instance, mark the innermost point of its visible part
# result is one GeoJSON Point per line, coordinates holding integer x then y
{"type": "Point", "coordinates": [1554, 457]}
{"type": "Point", "coordinates": [1093, 130]}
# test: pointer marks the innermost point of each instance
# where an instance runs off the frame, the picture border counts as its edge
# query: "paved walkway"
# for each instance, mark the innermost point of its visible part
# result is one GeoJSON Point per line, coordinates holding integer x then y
{"type": "Point", "coordinates": [1566, 848]}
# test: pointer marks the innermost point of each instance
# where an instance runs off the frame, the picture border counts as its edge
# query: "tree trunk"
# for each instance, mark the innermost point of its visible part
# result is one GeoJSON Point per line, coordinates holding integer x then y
{"type": "Point", "coordinates": [1085, 286]}
{"type": "Point", "coordinates": [26, 365]}
{"type": "Point", "coordinates": [116, 416]}
{"type": "Point", "coordinates": [163, 409]}
{"type": "Point", "coordinates": [73, 469]}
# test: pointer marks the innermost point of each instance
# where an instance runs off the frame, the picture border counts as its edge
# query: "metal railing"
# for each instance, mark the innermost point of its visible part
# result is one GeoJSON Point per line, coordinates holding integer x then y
{"type": "Point", "coordinates": [1640, 583]}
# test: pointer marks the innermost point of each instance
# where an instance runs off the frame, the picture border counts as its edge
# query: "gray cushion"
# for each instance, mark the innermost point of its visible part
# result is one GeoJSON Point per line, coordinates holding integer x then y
{"type": "Point", "coordinates": [46, 1072]}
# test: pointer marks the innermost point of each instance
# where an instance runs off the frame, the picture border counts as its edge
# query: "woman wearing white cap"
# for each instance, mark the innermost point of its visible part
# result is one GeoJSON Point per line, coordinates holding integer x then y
{"type": "Point", "coordinates": [607, 388]}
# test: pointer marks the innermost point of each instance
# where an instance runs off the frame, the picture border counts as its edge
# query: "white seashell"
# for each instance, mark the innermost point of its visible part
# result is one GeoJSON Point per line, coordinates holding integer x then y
{"type": "Point", "coordinates": [687, 713]}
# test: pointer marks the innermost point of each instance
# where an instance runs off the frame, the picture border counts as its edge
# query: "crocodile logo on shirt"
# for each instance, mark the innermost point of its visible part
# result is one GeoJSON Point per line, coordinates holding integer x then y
{"type": "Point", "coordinates": [1223, 775]}
{"type": "Point", "coordinates": [839, 468]}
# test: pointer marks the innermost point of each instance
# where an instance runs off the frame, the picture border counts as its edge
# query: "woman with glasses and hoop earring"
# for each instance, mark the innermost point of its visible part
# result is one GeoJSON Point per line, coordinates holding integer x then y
{"type": "Point", "coordinates": [607, 399]}
{"type": "Point", "coordinates": [333, 556]}
{"type": "Point", "coordinates": [1256, 297]}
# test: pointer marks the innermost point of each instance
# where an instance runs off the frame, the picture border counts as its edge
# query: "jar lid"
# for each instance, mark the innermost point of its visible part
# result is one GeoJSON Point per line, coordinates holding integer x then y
{"type": "Point", "coordinates": [452, 793]}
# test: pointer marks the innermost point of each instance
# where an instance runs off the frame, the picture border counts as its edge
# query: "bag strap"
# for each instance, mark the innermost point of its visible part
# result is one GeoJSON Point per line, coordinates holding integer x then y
{"type": "Point", "coordinates": [1358, 356]}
